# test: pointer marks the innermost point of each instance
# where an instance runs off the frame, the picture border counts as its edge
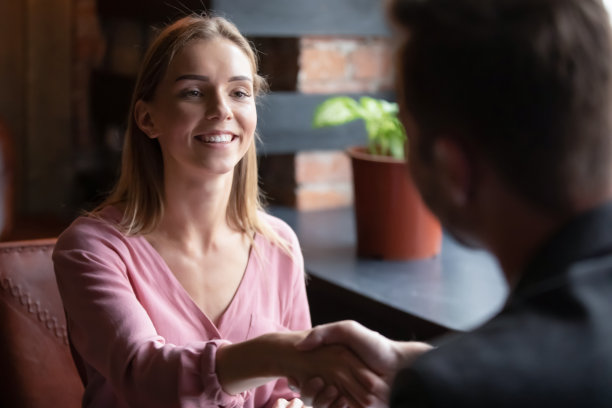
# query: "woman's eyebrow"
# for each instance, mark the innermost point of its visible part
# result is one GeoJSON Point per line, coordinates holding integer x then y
{"type": "Point", "coordinates": [192, 76]}
{"type": "Point", "coordinates": [240, 78]}
{"type": "Point", "coordinates": [206, 79]}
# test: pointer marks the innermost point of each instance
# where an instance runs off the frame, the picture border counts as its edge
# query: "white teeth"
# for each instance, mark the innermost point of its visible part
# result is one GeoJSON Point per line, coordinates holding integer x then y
{"type": "Point", "coordinates": [217, 139]}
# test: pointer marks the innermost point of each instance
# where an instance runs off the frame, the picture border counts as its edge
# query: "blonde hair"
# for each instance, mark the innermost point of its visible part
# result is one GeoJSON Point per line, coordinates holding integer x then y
{"type": "Point", "coordinates": [140, 188]}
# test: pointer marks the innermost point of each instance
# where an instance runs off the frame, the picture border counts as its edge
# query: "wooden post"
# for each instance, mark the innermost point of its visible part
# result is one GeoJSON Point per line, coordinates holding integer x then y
{"type": "Point", "coordinates": [48, 134]}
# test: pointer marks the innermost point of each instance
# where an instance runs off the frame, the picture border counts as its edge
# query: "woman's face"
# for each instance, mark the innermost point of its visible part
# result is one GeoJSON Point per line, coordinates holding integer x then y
{"type": "Point", "coordinates": [203, 112]}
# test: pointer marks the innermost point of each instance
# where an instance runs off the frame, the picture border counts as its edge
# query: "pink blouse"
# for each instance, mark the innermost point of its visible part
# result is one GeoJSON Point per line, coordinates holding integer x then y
{"type": "Point", "coordinates": [143, 341]}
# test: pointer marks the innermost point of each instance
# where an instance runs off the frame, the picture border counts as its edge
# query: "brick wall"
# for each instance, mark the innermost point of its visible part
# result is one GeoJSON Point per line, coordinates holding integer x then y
{"type": "Point", "coordinates": [327, 65]}
{"type": "Point", "coordinates": [338, 65]}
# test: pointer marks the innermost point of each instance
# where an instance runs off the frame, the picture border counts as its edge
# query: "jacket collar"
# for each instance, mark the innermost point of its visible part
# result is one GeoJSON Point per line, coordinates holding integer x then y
{"type": "Point", "coordinates": [586, 235]}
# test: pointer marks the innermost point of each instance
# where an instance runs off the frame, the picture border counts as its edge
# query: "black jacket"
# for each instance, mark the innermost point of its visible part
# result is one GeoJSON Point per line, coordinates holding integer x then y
{"type": "Point", "coordinates": [551, 345]}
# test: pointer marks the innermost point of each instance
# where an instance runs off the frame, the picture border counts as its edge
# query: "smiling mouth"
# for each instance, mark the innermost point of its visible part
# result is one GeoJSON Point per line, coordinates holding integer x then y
{"type": "Point", "coordinates": [224, 138]}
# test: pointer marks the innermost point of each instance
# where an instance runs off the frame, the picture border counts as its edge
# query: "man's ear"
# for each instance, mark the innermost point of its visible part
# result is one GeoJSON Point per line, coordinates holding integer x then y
{"type": "Point", "coordinates": [455, 171]}
{"type": "Point", "coordinates": [144, 120]}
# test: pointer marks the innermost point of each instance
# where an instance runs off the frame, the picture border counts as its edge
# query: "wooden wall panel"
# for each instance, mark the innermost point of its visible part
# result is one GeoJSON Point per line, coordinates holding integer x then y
{"type": "Point", "coordinates": [48, 137]}
{"type": "Point", "coordinates": [12, 75]}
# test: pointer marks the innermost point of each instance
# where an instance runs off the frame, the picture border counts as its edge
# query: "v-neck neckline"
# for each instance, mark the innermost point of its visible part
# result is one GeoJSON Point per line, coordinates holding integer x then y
{"type": "Point", "coordinates": [188, 301]}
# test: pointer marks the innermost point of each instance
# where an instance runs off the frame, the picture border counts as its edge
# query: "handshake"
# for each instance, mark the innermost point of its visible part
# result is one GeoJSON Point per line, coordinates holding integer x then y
{"type": "Point", "coordinates": [344, 364]}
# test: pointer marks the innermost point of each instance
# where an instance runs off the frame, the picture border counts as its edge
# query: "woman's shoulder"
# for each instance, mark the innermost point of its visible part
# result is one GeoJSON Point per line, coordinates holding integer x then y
{"type": "Point", "coordinates": [91, 229]}
{"type": "Point", "coordinates": [279, 226]}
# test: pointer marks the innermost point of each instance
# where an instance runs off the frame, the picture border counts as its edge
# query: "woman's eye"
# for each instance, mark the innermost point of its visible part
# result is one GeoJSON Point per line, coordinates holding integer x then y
{"type": "Point", "coordinates": [241, 94]}
{"type": "Point", "coordinates": [192, 93]}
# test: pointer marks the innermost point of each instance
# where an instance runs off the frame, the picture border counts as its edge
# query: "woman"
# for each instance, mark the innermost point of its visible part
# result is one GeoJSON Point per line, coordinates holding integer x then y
{"type": "Point", "coordinates": [170, 285]}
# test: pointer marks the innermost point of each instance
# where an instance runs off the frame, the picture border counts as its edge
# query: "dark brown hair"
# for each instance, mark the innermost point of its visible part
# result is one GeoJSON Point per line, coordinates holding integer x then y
{"type": "Point", "coordinates": [526, 82]}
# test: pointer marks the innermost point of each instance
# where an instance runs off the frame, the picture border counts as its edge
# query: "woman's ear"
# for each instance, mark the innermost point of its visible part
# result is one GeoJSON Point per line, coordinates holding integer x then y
{"type": "Point", "coordinates": [143, 119]}
{"type": "Point", "coordinates": [455, 170]}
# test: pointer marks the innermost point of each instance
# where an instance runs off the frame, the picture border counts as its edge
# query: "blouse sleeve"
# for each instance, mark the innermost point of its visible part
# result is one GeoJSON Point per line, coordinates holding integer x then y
{"type": "Point", "coordinates": [114, 334]}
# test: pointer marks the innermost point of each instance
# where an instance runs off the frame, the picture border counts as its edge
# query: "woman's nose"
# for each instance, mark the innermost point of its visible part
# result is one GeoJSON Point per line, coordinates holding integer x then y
{"type": "Point", "coordinates": [217, 107]}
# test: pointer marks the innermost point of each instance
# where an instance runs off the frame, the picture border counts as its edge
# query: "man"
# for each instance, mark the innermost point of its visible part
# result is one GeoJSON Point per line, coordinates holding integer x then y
{"type": "Point", "coordinates": [508, 110]}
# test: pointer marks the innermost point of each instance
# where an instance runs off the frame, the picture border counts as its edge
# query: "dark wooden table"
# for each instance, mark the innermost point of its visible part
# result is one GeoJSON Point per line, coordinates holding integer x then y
{"type": "Point", "coordinates": [454, 291]}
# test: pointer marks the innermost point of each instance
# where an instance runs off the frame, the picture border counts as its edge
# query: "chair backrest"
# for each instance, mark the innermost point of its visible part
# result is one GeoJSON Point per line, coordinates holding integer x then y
{"type": "Point", "coordinates": [7, 181]}
{"type": "Point", "coordinates": [35, 362]}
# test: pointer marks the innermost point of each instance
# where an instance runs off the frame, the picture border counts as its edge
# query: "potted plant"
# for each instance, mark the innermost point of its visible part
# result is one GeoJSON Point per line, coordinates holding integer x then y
{"type": "Point", "coordinates": [391, 219]}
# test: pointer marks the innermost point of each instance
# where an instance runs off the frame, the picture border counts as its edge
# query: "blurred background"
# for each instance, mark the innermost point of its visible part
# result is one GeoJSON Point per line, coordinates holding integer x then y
{"type": "Point", "coordinates": [67, 68]}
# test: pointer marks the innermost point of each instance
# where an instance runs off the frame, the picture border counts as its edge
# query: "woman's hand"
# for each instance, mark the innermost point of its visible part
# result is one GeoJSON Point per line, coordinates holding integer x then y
{"type": "Point", "coordinates": [294, 403]}
{"type": "Point", "coordinates": [317, 394]}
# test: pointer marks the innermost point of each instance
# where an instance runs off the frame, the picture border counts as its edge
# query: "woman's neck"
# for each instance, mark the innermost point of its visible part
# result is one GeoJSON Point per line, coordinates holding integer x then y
{"type": "Point", "coordinates": [195, 211]}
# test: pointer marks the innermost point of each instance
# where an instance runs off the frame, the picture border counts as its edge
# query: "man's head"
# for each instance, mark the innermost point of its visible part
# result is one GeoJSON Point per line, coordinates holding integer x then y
{"type": "Point", "coordinates": [524, 85]}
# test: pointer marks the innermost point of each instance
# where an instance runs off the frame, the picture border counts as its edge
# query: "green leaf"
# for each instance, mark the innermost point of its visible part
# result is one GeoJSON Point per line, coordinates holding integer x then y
{"type": "Point", "coordinates": [372, 115]}
{"type": "Point", "coordinates": [397, 138]}
{"type": "Point", "coordinates": [336, 111]}
{"type": "Point", "coordinates": [386, 135]}
{"type": "Point", "coordinates": [372, 107]}
{"type": "Point", "coordinates": [396, 148]}
{"type": "Point", "coordinates": [390, 108]}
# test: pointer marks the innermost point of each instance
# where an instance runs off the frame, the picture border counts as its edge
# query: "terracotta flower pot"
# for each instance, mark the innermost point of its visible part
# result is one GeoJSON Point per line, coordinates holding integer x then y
{"type": "Point", "coordinates": [391, 219]}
